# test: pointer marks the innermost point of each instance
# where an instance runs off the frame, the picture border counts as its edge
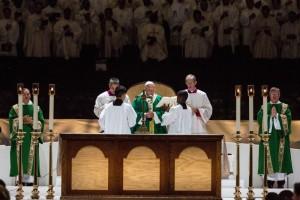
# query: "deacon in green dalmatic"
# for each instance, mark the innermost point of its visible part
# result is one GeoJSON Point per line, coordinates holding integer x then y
{"type": "Point", "coordinates": [145, 105]}
{"type": "Point", "coordinates": [279, 161]}
{"type": "Point", "coordinates": [27, 145]}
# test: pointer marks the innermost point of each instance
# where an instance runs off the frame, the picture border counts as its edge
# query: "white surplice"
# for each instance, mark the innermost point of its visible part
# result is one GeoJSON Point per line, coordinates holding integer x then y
{"type": "Point", "coordinates": [103, 99]}
{"type": "Point", "coordinates": [9, 33]}
{"type": "Point", "coordinates": [200, 101]}
{"type": "Point", "coordinates": [117, 119]}
{"type": "Point", "coordinates": [178, 120]}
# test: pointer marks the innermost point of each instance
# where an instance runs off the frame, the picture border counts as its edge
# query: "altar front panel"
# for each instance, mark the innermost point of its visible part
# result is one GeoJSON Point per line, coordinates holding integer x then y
{"type": "Point", "coordinates": [141, 166]}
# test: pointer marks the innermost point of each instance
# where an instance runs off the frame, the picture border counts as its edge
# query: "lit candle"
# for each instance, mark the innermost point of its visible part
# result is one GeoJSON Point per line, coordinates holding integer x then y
{"type": "Point", "coordinates": [265, 108]}
{"type": "Point", "coordinates": [35, 91]}
{"type": "Point", "coordinates": [51, 105]}
{"type": "Point", "coordinates": [251, 106]}
{"type": "Point", "coordinates": [20, 87]}
{"type": "Point", "coordinates": [238, 90]}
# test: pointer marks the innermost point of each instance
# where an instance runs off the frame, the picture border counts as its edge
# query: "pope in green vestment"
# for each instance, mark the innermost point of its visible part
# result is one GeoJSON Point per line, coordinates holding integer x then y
{"type": "Point", "coordinates": [153, 121]}
{"type": "Point", "coordinates": [279, 128]}
{"type": "Point", "coordinates": [27, 145]}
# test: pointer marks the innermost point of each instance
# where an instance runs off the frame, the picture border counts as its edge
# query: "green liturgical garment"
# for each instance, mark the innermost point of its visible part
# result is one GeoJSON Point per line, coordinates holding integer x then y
{"type": "Point", "coordinates": [138, 104]}
{"type": "Point", "coordinates": [279, 155]}
{"type": "Point", "coordinates": [27, 146]}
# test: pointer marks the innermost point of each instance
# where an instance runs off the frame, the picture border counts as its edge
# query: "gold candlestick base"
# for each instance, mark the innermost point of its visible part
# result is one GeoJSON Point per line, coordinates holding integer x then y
{"type": "Point", "coordinates": [237, 193]}
{"type": "Point", "coordinates": [35, 194]}
{"type": "Point", "coordinates": [250, 194]}
{"type": "Point", "coordinates": [265, 192]}
{"type": "Point", "coordinates": [20, 191]}
{"type": "Point", "coordinates": [50, 193]}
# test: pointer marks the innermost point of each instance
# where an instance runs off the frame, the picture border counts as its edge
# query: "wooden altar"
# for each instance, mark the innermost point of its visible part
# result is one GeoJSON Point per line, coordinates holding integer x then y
{"type": "Point", "coordinates": [99, 166]}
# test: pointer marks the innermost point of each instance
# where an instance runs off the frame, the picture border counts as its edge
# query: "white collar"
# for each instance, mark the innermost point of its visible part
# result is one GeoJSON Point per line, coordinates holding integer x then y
{"type": "Point", "coordinates": [278, 102]}
{"type": "Point", "coordinates": [29, 103]}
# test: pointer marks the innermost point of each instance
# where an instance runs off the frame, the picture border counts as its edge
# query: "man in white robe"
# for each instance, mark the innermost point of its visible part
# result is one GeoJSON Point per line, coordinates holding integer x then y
{"type": "Point", "coordinates": [107, 97]}
{"type": "Point", "coordinates": [9, 34]}
{"type": "Point", "coordinates": [290, 37]}
{"type": "Point", "coordinates": [179, 118]}
{"type": "Point", "coordinates": [118, 117]}
{"type": "Point", "coordinates": [124, 17]}
{"type": "Point", "coordinates": [199, 103]}
{"type": "Point", "coordinates": [181, 12]}
{"type": "Point", "coordinates": [197, 37]}
{"type": "Point", "coordinates": [266, 35]}
{"type": "Point", "coordinates": [37, 34]}
{"type": "Point", "coordinates": [67, 36]}
{"type": "Point", "coordinates": [247, 21]}
{"type": "Point", "coordinates": [153, 41]}
{"type": "Point", "coordinates": [112, 35]}
{"type": "Point", "coordinates": [226, 17]}
{"type": "Point", "coordinates": [87, 19]}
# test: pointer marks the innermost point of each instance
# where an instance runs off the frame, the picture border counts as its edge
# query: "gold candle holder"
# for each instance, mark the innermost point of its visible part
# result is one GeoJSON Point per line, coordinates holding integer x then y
{"type": "Point", "coordinates": [20, 137]}
{"type": "Point", "coordinates": [35, 135]}
{"type": "Point", "coordinates": [265, 138]}
{"type": "Point", "coordinates": [250, 194]}
{"type": "Point", "coordinates": [50, 192]}
{"type": "Point", "coordinates": [237, 193]}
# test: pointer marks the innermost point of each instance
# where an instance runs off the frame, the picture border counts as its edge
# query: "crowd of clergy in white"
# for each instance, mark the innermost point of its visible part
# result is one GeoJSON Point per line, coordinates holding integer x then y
{"type": "Point", "coordinates": [64, 28]}
{"type": "Point", "coordinates": [187, 115]}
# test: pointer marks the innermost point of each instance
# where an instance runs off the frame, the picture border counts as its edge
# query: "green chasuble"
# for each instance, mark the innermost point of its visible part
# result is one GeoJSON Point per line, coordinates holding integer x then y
{"type": "Point", "coordinates": [279, 155]}
{"type": "Point", "coordinates": [137, 105]}
{"type": "Point", "coordinates": [27, 161]}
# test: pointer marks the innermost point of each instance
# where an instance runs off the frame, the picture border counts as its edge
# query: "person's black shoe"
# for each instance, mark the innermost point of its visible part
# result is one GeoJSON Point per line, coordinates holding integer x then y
{"type": "Point", "coordinates": [280, 184]}
{"type": "Point", "coordinates": [270, 184]}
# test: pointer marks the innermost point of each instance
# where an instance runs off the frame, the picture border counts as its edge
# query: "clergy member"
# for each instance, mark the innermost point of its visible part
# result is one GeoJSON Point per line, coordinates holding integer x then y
{"type": "Point", "coordinates": [67, 36]}
{"type": "Point", "coordinates": [9, 34]}
{"type": "Point", "coordinates": [153, 41]}
{"type": "Point", "coordinates": [179, 118]}
{"type": "Point", "coordinates": [145, 106]}
{"type": "Point", "coordinates": [37, 34]}
{"type": "Point", "coordinates": [279, 128]}
{"type": "Point", "coordinates": [266, 35]}
{"type": "Point", "coordinates": [27, 160]}
{"type": "Point", "coordinates": [200, 104]}
{"type": "Point", "coordinates": [107, 96]}
{"type": "Point", "coordinates": [197, 37]}
{"type": "Point", "coordinates": [118, 117]}
{"type": "Point", "coordinates": [290, 37]}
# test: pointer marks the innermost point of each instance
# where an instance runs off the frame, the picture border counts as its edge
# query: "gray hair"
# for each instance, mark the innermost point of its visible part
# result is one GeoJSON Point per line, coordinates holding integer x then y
{"type": "Point", "coordinates": [191, 77]}
{"type": "Point", "coordinates": [275, 89]}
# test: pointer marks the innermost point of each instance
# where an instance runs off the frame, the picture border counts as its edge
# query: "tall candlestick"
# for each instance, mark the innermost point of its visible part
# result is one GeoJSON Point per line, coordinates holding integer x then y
{"type": "Point", "coordinates": [251, 106]}
{"type": "Point", "coordinates": [265, 108]}
{"type": "Point", "coordinates": [51, 105]}
{"type": "Point", "coordinates": [35, 91]}
{"type": "Point", "coordinates": [20, 88]}
{"type": "Point", "coordinates": [238, 92]}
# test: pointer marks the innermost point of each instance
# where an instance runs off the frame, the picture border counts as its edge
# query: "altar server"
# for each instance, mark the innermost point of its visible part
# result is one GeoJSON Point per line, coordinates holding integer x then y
{"type": "Point", "coordinates": [179, 119]}
{"type": "Point", "coordinates": [118, 117]}
{"type": "Point", "coordinates": [199, 103]}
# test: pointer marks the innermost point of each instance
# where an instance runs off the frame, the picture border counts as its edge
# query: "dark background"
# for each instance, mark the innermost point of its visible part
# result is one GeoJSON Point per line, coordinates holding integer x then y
{"type": "Point", "coordinates": [78, 83]}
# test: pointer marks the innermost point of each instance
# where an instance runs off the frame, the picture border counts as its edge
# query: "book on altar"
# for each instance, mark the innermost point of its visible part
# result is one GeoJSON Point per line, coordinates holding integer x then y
{"type": "Point", "coordinates": [168, 101]}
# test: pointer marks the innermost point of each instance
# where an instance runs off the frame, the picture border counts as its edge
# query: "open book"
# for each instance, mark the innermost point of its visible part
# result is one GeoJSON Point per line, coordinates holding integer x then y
{"type": "Point", "coordinates": [168, 101]}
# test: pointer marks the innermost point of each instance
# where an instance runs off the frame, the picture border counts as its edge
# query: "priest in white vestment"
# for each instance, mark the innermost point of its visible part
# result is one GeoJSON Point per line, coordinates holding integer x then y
{"type": "Point", "coordinates": [108, 96]}
{"type": "Point", "coordinates": [37, 34]}
{"type": "Point", "coordinates": [200, 105]}
{"type": "Point", "coordinates": [290, 37]}
{"type": "Point", "coordinates": [118, 117]}
{"type": "Point", "coordinates": [153, 41]}
{"type": "Point", "coordinates": [197, 37]}
{"type": "Point", "coordinates": [226, 17]}
{"type": "Point", "coordinates": [178, 119]}
{"type": "Point", "coordinates": [9, 34]}
{"type": "Point", "coordinates": [247, 20]}
{"type": "Point", "coordinates": [267, 35]}
{"type": "Point", "coordinates": [67, 36]}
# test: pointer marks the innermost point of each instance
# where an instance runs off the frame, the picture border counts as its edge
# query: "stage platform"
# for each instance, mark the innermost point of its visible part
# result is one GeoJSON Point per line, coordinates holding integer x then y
{"type": "Point", "coordinates": [227, 193]}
